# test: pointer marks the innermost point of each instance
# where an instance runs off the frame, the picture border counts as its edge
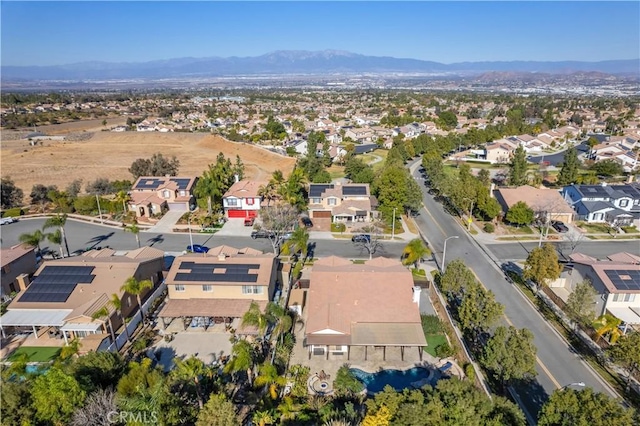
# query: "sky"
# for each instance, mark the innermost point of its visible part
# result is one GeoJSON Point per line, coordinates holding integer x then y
{"type": "Point", "coordinates": [56, 33]}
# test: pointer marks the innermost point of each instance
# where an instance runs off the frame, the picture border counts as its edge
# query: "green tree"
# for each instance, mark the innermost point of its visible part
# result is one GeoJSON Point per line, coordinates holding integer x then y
{"type": "Point", "coordinates": [157, 165]}
{"type": "Point", "coordinates": [243, 358]}
{"type": "Point", "coordinates": [10, 195]}
{"type": "Point", "coordinates": [218, 411]}
{"type": "Point", "coordinates": [542, 265]}
{"type": "Point", "coordinates": [484, 176]}
{"type": "Point", "coordinates": [345, 383]}
{"type": "Point", "coordinates": [518, 168]}
{"type": "Point", "coordinates": [447, 120]}
{"type": "Point", "coordinates": [510, 354]}
{"type": "Point", "coordinates": [626, 353]}
{"type": "Point", "coordinates": [299, 242]}
{"type": "Point", "coordinates": [263, 418]}
{"type": "Point", "coordinates": [608, 325]}
{"type": "Point", "coordinates": [608, 167]}
{"type": "Point", "coordinates": [191, 370]}
{"type": "Point", "coordinates": [40, 194]}
{"type": "Point", "coordinates": [478, 309]}
{"type": "Point", "coordinates": [123, 197]}
{"type": "Point", "coordinates": [99, 370]}
{"type": "Point", "coordinates": [456, 279]}
{"type": "Point", "coordinates": [569, 171]}
{"type": "Point", "coordinates": [116, 302]}
{"type": "Point", "coordinates": [104, 313]}
{"type": "Point", "coordinates": [520, 214]}
{"type": "Point", "coordinates": [215, 181]}
{"type": "Point", "coordinates": [256, 317]}
{"type": "Point", "coordinates": [59, 221]}
{"type": "Point", "coordinates": [135, 230]}
{"type": "Point", "coordinates": [16, 406]}
{"type": "Point", "coordinates": [580, 305]}
{"type": "Point", "coordinates": [33, 239]}
{"type": "Point", "coordinates": [569, 407]}
{"type": "Point", "coordinates": [56, 396]}
{"type": "Point", "coordinates": [70, 350]}
{"type": "Point", "coordinates": [268, 376]}
{"type": "Point", "coordinates": [56, 238]}
{"type": "Point", "coordinates": [414, 251]}
{"type": "Point", "coordinates": [137, 288]}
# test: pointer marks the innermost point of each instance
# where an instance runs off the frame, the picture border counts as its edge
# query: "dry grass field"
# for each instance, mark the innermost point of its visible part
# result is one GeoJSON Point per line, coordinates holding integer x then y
{"type": "Point", "coordinates": [110, 154]}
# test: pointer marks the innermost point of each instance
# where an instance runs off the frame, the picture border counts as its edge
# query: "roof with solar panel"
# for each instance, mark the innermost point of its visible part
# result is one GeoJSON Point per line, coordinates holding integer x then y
{"type": "Point", "coordinates": [153, 183]}
{"type": "Point", "coordinates": [620, 273]}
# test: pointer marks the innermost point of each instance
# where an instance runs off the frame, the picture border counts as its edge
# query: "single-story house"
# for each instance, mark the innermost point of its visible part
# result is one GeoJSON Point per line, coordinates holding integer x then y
{"type": "Point", "coordinates": [547, 203]}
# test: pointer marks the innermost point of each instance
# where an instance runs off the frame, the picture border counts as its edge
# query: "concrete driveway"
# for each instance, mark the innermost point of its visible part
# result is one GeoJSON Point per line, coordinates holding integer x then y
{"type": "Point", "coordinates": [235, 227]}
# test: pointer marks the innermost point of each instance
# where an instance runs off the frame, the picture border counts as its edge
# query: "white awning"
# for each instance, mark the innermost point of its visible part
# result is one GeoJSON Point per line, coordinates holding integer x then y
{"type": "Point", "coordinates": [90, 326]}
{"type": "Point", "coordinates": [627, 315]}
{"type": "Point", "coordinates": [34, 317]}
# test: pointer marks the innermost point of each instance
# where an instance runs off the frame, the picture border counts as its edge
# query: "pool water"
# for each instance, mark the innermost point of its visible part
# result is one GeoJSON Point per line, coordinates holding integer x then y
{"type": "Point", "coordinates": [397, 379]}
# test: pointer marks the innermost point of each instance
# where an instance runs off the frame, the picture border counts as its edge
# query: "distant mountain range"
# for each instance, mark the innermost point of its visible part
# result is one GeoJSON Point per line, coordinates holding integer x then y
{"type": "Point", "coordinates": [299, 62]}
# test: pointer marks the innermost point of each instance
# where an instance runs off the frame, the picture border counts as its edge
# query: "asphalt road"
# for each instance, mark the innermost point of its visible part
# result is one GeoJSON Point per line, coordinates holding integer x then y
{"type": "Point", "coordinates": [557, 364]}
{"type": "Point", "coordinates": [595, 248]}
{"type": "Point", "coordinates": [558, 158]}
{"type": "Point", "coordinates": [81, 235]}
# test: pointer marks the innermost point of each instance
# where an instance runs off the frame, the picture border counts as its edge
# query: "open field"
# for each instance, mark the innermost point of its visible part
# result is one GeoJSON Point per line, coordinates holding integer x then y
{"type": "Point", "coordinates": [110, 154]}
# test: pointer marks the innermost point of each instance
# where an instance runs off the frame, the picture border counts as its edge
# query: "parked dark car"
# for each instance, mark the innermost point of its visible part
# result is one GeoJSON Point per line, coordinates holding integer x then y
{"type": "Point", "coordinates": [361, 238]}
{"type": "Point", "coordinates": [306, 222]}
{"type": "Point", "coordinates": [262, 234]}
{"type": "Point", "coordinates": [559, 226]}
{"type": "Point", "coordinates": [197, 248]}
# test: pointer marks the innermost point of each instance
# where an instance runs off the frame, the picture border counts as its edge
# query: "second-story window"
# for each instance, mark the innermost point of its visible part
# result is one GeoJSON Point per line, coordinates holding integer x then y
{"type": "Point", "coordinates": [249, 201]}
{"type": "Point", "coordinates": [316, 200]}
{"type": "Point", "coordinates": [332, 201]}
{"type": "Point", "coordinates": [232, 202]}
{"type": "Point", "coordinates": [165, 193]}
{"type": "Point", "coordinates": [179, 287]}
{"type": "Point", "coordinates": [624, 203]}
{"type": "Point", "coordinates": [207, 288]}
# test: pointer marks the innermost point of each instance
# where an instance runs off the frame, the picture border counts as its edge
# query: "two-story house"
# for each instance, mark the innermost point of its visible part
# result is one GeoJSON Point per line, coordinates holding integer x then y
{"type": "Point", "coordinates": [16, 261]}
{"type": "Point", "coordinates": [219, 286]}
{"type": "Point", "coordinates": [351, 202]}
{"type": "Point", "coordinates": [242, 199]}
{"type": "Point", "coordinates": [616, 281]}
{"type": "Point", "coordinates": [154, 195]}
{"type": "Point", "coordinates": [613, 204]}
{"type": "Point", "coordinates": [500, 151]}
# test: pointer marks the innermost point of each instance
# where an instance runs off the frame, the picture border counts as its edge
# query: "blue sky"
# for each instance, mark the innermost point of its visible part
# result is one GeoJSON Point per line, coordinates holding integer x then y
{"type": "Point", "coordinates": [53, 33]}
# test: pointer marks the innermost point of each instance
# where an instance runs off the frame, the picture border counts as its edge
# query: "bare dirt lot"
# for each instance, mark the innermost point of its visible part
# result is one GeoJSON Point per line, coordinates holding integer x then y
{"type": "Point", "coordinates": [110, 154]}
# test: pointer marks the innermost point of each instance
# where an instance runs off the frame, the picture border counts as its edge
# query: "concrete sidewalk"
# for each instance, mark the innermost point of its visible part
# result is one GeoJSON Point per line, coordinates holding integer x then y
{"type": "Point", "coordinates": [405, 236]}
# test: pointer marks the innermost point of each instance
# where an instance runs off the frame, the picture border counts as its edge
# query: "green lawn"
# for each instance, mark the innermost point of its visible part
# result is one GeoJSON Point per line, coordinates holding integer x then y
{"type": "Point", "coordinates": [594, 228]}
{"type": "Point", "coordinates": [433, 341]}
{"type": "Point", "coordinates": [418, 272]}
{"type": "Point", "coordinates": [36, 353]}
{"type": "Point", "coordinates": [523, 230]}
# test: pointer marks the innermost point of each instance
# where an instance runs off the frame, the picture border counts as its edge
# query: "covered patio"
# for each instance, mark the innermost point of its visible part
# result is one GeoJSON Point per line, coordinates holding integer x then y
{"type": "Point", "coordinates": [628, 315]}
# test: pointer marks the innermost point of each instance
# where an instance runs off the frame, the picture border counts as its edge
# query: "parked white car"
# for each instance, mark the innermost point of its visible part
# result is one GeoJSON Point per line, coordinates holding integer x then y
{"type": "Point", "coordinates": [7, 220]}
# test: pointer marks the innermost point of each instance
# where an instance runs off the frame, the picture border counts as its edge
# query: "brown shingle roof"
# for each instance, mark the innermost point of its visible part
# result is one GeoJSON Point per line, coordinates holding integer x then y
{"type": "Point", "coordinates": [538, 199]}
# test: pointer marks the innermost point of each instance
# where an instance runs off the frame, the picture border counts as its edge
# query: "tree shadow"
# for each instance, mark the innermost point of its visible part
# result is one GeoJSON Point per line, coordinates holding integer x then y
{"type": "Point", "coordinates": [532, 395]}
{"type": "Point", "coordinates": [93, 242]}
{"type": "Point", "coordinates": [157, 239]}
{"type": "Point", "coordinates": [163, 357]}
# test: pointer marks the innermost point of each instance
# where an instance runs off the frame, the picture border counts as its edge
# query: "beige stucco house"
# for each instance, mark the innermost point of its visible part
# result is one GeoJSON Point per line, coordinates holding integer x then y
{"type": "Point", "coordinates": [348, 203]}
{"type": "Point", "coordinates": [152, 195]}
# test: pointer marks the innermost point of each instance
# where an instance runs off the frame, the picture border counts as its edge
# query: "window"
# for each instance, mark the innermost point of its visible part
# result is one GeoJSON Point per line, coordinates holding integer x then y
{"type": "Point", "coordinates": [332, 201]}
{"type": "Point", "coordinates": [207, 287]}
{"type": "Point", "coordinates": [183, 193]}
{"type": "Point", "coordinates": [166, 193]}
{"type": "Point", "coordinates": [250, 201]}
{"type": "Point", "coordinates": [624, 297]}
{"type": "Point", "coordinates": [624, 203]}
{"type": "Point", "coordinates": [316, 200]}
{"type": "Point", "coordinates": [232, 202]}
{"type": "Point", "coordinates": [179, 287]}
{"type": "Point", "coordinates": [251, 289]}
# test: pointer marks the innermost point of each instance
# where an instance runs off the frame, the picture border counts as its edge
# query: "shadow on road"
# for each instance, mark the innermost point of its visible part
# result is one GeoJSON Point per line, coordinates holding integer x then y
{"type": "Point", "coordinates": [532, 394]}
{"type": "Point", "coordinates": [95, 241]}
{"type": "Point", "coordinates": [157, 239]}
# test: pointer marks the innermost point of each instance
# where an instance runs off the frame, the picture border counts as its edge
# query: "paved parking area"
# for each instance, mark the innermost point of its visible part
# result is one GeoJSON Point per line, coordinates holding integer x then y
{"type": "Point", "coordinates": [235, 227]}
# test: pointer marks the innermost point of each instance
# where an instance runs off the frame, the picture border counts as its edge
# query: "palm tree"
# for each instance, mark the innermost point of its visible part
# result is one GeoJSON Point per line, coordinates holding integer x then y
{"type": "Point", "coordinates": [256, 318]}
{"type": "Point", "coordinates": [268, 376]}
{"type": "Point", "coordinates": [70, 350]}
{"type": "Point", "coordinates": [607, 324]}
{"type": "Point", "coordinates": [281, 317]}
{"type": "Point", "coordinates": [299, 242]}
{"type": "Point", "coordinates": [288, 409]}
{"type": "Point", "coordinates": [414, 251]}
{"type": "Point", "coordinates": [135, 287]}
{"type": "Point", "coordinates": [242, 359]}
{"type": "Point", "coordinates": [56, 238]}
{"type": "Point", "coordinates": [267, 192]}
{"type": "Point", "coordinates": [263, 418]}
{"type": "Point", "coordinates": [104, 313]}
{"type": "Point", "coordinates": [192, 369]}
{"type": "Point", "coordinates": [116, 302]}
{"type": "Point", "coordinates": [59, 221]}
{"type": "Point", "coordinates": [135, 230]}
{"type": "Point", "coordinates": [123, 197]}
{"type": "Point", "coordinates": [33, 240]}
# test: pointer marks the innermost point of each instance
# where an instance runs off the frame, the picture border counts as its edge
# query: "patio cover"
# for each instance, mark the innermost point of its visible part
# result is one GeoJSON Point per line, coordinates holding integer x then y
{"type": "Point", "coordinates": [91, 326]}
{"type": "Point", "coordinates": [388, 334]}
{"type": "Point", "coordinates": [628, 315]}
{"type": "Point", "coordinates": [221, 308]}
{"type": "Point", "coordinates": [34, 317]}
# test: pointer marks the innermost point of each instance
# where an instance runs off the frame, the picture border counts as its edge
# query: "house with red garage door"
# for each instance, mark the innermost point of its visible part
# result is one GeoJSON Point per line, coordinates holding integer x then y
{"type": "Point", "coordinates": [242, 199]}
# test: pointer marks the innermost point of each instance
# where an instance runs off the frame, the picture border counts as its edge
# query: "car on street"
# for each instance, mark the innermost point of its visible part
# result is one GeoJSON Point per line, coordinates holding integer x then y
{"type": "Point", "coordinates": [559, 226]}
{"type": "Point", "coordinates": [7, 220]}
{"type": "Point", "coordinates": [306, 222]}
{"type": "Point", "coordinates": [261, 233]}
{"type": "Point", "coordinates": [197, 248]}
{"type": "Point", "coordinates": [361, 238]}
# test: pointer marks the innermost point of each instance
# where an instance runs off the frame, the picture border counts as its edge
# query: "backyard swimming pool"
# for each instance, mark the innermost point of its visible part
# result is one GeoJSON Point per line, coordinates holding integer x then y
{"type": "Point", "coordinates": [397, 379]}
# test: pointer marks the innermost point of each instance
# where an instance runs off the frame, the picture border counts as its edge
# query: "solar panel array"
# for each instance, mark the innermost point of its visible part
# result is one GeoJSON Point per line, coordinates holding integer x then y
{"type": "Point", "coordinates": [56, 283]}
{"type": "Point", "coordinates": [205, 272]}
{"type": "Point", "coordinates": [149, 183]}
{"type": "Point", "coordinates": [316, 190]}
{"type": "Point", "coordinates": [181, 182]}
{"type": "Point", "coordinates": [624, 279]}
{"type": "Point", "coordinates": [354, 190]}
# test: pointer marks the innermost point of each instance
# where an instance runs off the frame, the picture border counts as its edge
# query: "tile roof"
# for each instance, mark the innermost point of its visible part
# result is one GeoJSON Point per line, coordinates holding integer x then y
{"type": "Point", "coordinates": [8, 255]}
{"type": "Point", "coordinates": [538, 199]}
{"type": "Point", "coordinates": [244, 189]}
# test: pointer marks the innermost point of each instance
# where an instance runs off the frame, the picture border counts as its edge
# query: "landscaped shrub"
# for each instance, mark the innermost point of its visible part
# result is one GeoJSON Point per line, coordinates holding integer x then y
{"type": "Point", "coordinates": [444, 351]}
{"type": "Point", "coordinates": [338, 227]}
{"type": "Point", "coordinates": [16, 211]}
{"type": "Point", "coordinates": [431, 324]}
{"type": "Point", "coordinates": [346, 383]}
{"type": "Point", "coordinates": [629, 229]}
{"type": "Point", "coordinates": [489, 228]}
{"type": "Point", "coordinates": [469, 371]}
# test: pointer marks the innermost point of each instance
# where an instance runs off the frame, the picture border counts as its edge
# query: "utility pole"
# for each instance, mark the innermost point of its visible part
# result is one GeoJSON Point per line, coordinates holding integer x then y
{"type": "Point", "coordinates": [393, 226]}
{"type": "Point", "coordinates": [99, 211]}
{"type": "Point", "coordinates": [190, 236]}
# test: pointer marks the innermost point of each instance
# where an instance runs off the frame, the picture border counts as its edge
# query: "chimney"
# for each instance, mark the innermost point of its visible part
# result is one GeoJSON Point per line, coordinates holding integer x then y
{"type": "Point", "coordinates": [236, 177]}
{"type": "Point", "coordinates": [23, 281]}
{"type": "Point", "coordinates": [222, 257]}
{"type": "Point", "coordinates": [416, 295]}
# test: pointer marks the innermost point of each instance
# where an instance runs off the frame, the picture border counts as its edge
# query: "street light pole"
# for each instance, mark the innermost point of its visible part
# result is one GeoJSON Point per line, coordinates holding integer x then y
{"type": "Point", "coordinates": [444, 251]}
{"type": "Point", "coordinates": [190, 236]}
{"type": "Point", "coordinates": [99, 211]}
{"type": "Point", "coordinates": [393, 226]}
